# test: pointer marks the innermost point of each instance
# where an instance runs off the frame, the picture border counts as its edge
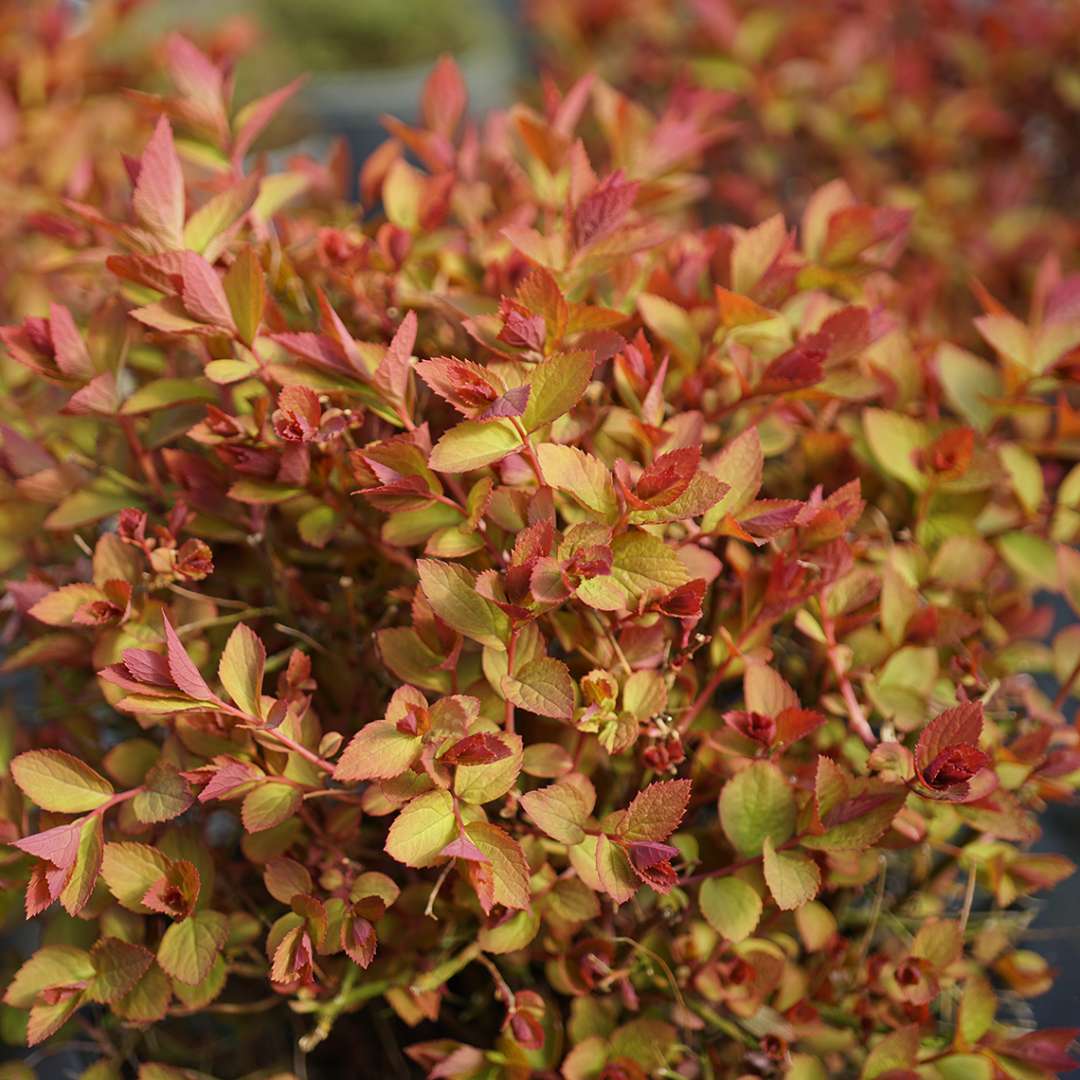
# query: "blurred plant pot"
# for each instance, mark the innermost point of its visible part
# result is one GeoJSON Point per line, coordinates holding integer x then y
{"type": "Point", "coordinates": [363, 58]}
{"type": "Point", "coordinates": [350, 103]}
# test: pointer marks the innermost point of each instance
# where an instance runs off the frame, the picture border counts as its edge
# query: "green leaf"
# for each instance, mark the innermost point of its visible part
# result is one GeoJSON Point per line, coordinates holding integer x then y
{"type": "Point", "coordinates": [378, 751]}
{"type": "Point", "coordinates": [671, 323]}
{"type": "Point", "coordinates": [451, 591]}
{"type": "Point", "coordinates": [100, 500]}
{"type": "Point", "coordinates": [228, 371]}
{"type": "Point", "coordinates": [59, 782]}
{"type": "Point", "coordinates": [479, 784]}
{"type": "Point", "coordinates": [757, 804]}
{"type": "Point", "coordinates": [897, 1050]}
{"type": "Point", "coordinates": [472, 444]}
{"type": "Point", "coordinates": [978, 1006]}
{"type": "Point", "coordinates": [58, 608]}
{"type": "Point", "coordinates": [166, 795]}
{"type": "Point", "coordinates": [561, 809]}
{"type": "Point", "coordinates": [731, 907]}
{"type": "Point", "coordinates": [1032, 557]}
{"type": "Point", "coordinates": [543, 687]}
{"type": "Point", "coordinates": [1025, 475]}
{"type": "Point", "coordinates": [512, 935]}
{"type": "Point", "coordinates": [268, 804]}
{"type": "Point", "coordinates": [130, 869]}
{"type": "Point", "coordinates": [1068, 566]}
{"type": "Point", "coordinates": [655, 812]}
{"type": "Point", "coordinates": [47, 1019]}
{"type": "Point", "coordinates": [241, 669]}
{"type": "Point", "coordinates": [740, 466]}
{"type": "Point", "coordinates": [556, 386]}
{"type": "Point", "coordinates": [895, 439]}
{"type": "Point", "coordinates": [969, 383]}
{"type": "Point", "coordinates": [422, 829]}
{"type": "Point", "coordinates": [581, 476]}
{"type": "Point", "coordinates": [50, 966]}
{"type": "Point", "coordinates": [509, 870]}
{"type": "Point", "coordinates": [217, 215]}
{"type": "Point", "coordinates": [163, 393]}
{"type": "Point", "coordinates": [644, 565]}
{"type": "Point", "coordinates": [613, 869]}
{"type": "Point", "coordinates": [148, 1001]}
{"type": "Point", "coordinates": [793, 878]}
{"type": "Point", "coordinates": [84, 874]}
{"type": "Point", "coordinates": [189, 948]}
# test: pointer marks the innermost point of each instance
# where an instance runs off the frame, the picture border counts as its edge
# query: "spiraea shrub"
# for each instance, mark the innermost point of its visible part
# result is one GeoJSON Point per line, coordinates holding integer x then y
{"type": "Point", "coordinates": [511, 625]}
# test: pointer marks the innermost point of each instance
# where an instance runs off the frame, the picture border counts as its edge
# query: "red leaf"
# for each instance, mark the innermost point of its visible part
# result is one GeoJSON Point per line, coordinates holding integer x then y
{"type": "Point", "coordinates": [298, 414]}
{"type": "Point", "coordinates": [184, 673]}
{"type": "Point", "coordinates": [667, 477]}
{"type": "Point", "coordinates": [59, 846]}
{"type": "Point", "coordinates": [601, 211]}
{"type": "Point", "coordinates": [482, 748]}
{"type": "Point", "coordinates": [445, 98]}
{"type": "Point", "coordinates": [204, 295]}
{"type": "Point", "coordinates": [159, 191]}
{"type": "Point", "coordinates": [392, 374]}
{"type": "Point", "coordinates": [72, 357]}
{"type": "Point", "coordinates": [954, 727]}
{"type": "Point", "coordinates": [802, 365]}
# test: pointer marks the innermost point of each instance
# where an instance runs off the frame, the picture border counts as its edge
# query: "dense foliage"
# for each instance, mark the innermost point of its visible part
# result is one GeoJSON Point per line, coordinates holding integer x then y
{"type": "Point", "coordinates": [515, 607]}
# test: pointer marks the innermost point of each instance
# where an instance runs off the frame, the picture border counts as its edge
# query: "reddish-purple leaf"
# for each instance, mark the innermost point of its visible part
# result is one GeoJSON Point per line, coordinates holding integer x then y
{"type": "Point", "coordinates": [159, 191]}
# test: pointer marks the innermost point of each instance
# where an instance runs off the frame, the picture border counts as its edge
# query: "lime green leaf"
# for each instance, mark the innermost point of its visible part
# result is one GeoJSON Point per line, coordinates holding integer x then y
{"type": "Point", "coordinates": [1032, 557]}
{"type": "Point", "coordinates": [226, 372]}
{"type": "Point", "coordinates": [162, 393]}
{"type": "Point", "coordinates": [241, 669]}
{"type": "Point", "coordinates": [897, 1050]}
{"type": "Point", "coordinates": [509, 870]}
{"type": "Point", "coordinates": [472, 444]}
{"type": "Point", "coordinates": [422, 829]}
{"type": "Point", "coordinates": [482, 783]}
{"type": "Point", "coordinates": [188, 948]}
{"type": "Point", "coordinates": [731, 907]}
{"type": "Point", "coordinates": [582, 477]}
{"type": "Point", "coordinates": [148, 1001]}
{"type": "Point", "coordinates": [671, 323]}
{"type": "Point", "coordinates": [130, 869]}
{"type": "Point", "coordinates": [895, 440]}
{"type": "Point", "coordinates": [969, 383]}
{"type": "Point", "coordinates": [978, 1006]}
{"type": "Point", "coordinates": [59, 782]}
{"type": "Point", "coordinates": [451, 591]}
{"type": "Point", "coordinates": [378, 751]}
{"type": "Point", "coordinates": [757, 804]}
{"type": "Point", "coordinates": [58, 608]}
{"type": "Point", "coordinates": [561, 809]}
{"type": "Point", "coordinates": [84, 874]}
{"type": "Point", "coordinates": [613, 870]}
{"type": "Point", "coordinates": [100, 500]}
{"type": "Point", "coordinates": [644, 565]}
{"type": "Point", "coordinates": [793, 878]}
{"type": "Point", "coordinates": [556, 386]}
{"type": "Point", "coordinates": [50, 966]}
{"type": "Point", "coordinates": [1068, 565]}
{"type": "Point", "coordinates": [268, 804]}
{"type": "Point", "coordinates": [1025, 474]}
